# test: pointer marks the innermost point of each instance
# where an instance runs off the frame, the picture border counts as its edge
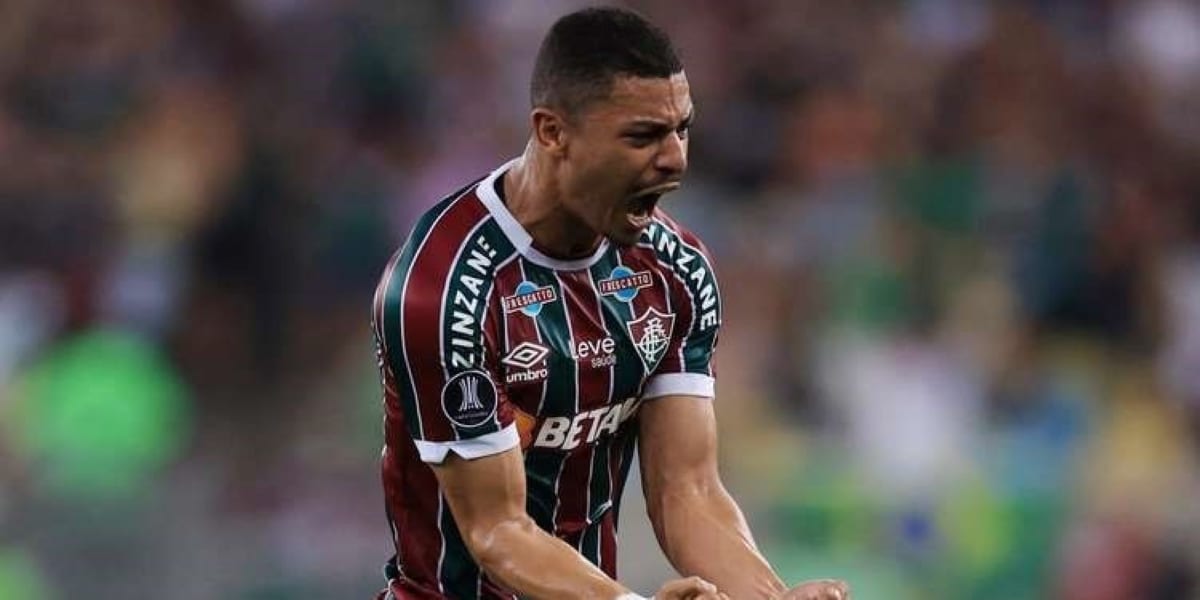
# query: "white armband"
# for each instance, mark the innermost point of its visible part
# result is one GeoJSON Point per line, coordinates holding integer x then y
{"type": "Point", "coordinates": [632, 596]}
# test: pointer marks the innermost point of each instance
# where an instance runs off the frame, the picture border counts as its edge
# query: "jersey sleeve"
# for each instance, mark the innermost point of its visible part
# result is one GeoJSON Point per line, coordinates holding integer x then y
{"type": "Point", "coordinates": [687, 365]}
{"type": "Point", "coordinates": [432, 333]}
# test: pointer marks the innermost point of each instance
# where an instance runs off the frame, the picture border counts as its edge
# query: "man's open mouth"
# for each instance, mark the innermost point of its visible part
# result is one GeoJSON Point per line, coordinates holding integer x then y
{"type": "Point", "coordinates": [642, 203]}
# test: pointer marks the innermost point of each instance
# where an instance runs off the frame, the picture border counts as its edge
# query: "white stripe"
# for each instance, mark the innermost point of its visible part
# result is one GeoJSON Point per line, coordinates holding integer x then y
{"type": "Point", "coordinates": [442, 307]}
{"type": "Point", "coordinates": [633, 315]}
{"type": "Point", "coordinates": [483, 323]}
{"type": "Point", "coordinates": [381, 300]}
{"type": "Point", "coordinates": [537, 330]}
{"type": "Point", "coordinates": [671, 309]}
{"type": "Point", "coordinates": [680, 384]}
{"type": "Point", "coordinates": [442, 539]}
{"type": "Point", "coordinates": [691, 299]}
{"type": "Point", "coordinates": [608, 401]}
{"type": "Point", "coordinates": [683, 280]}
{"type": "Point", "coordinates": [575, 368]}
{"type": "Point", "coordinates": [483, 343]}
{"type": "Point", "coordinates": [412, 380]}
{"type": "Point", "coordinates": [604, 323]}
{"type": "Point", "coordinates": [600, 543]}
{"type": "Point", "coordinates": [712, 273]}
{"type": "Point", "coordinates": [521, 238]}
{"type": "Point", "coordinates": [477, 447]}
{"type": "Point", "coordinates": [446, 292]}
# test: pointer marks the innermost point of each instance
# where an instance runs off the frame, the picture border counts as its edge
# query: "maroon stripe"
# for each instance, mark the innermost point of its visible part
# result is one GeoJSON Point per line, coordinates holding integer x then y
{"type": "Point", "coordinates": [608, 544]}
{"type": "Point", "coordinates": [493, 352]}
{"type": "Point", "coordinates": [587, 327]}
{"type": "Point", "coordinates": [695, 244]}
{"type": "Point", "coordinates": [573, 491]}
{"type": "Point", "coordinates": [518, 328]}
{"type": "Point", "coordinates": [608, 541]}
{"type": "Point", "coordinates": [663, 296]}
{"type": "Point", "coordinates": [412, 494]}
{"type": "Point", "coordinates": [422, 310]}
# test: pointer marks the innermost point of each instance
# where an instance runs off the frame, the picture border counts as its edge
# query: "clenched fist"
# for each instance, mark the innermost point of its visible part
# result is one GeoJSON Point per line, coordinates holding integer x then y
{"type": "Point", "coordinates": [689, 588]}
{"type": "Point", "coordinates": [819, 589]}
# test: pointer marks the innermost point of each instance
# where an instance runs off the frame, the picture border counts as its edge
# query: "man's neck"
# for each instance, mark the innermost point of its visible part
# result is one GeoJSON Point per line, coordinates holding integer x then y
{"type": "Point", "coordinates": [535, 200]}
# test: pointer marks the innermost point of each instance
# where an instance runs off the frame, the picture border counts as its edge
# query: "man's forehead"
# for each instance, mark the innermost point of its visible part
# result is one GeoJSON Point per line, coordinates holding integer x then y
{"type": "Point", "coordinates": [649, 98]}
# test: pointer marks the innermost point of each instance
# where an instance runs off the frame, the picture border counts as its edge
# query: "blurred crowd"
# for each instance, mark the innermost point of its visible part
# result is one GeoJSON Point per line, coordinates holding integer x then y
{"type": "Point", "coordinates": [959, 243]}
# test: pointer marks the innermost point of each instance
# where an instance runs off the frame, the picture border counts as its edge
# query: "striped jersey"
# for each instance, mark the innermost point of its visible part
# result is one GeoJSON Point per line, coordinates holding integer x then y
{"type": "Point", "coordinates": [486, 344]}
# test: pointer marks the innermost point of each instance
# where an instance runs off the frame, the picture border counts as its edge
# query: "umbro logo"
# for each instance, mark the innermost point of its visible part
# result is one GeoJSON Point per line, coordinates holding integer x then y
{"type": "Point", "coordinates": [525, 355]}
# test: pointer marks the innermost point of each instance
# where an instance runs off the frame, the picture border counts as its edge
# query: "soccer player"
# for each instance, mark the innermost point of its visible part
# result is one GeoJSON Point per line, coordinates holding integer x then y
{"type": "Point", "coordinates": [542, 323]}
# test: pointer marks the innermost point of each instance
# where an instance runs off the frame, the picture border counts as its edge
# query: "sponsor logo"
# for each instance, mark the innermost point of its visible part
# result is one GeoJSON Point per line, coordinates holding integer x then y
{"type": "Point", "coordinates": [596, 353]}
{"type": "Point", "coordinates": [567, 433]}
{"type": "Point", "coordinates": [526, 356]}
{"type": "Point", "coordinates": [650, 334]}
{"type": "Point", "coordinates": [469, 399]}
{"type": "Point", "coordinates": [529, 298]}
{"type": "Point", "coordinates": [466, 305]}
{"type": "Point", "coordinates": [624, 283]}
{"type": "Point", "coordinates": [528, 376]}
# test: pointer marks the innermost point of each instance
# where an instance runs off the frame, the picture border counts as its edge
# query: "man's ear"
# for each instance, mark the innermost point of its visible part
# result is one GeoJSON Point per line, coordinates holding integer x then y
{"type": "Point", "coordinates": [549, 130]}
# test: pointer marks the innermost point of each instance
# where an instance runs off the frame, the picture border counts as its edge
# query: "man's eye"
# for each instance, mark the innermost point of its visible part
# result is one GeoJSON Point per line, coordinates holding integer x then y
{"type": "Point", "coordinates": [683, 131]}
{"type": "Point", "coordinates": [641, 139]}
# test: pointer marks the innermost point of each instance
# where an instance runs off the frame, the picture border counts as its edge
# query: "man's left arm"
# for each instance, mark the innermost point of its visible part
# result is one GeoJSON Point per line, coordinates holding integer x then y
{"type": "Point", "coordinates": [698, 524]}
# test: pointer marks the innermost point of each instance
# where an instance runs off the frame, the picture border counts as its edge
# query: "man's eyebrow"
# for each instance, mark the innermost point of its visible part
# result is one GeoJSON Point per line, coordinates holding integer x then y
{"type": "Point", "coordinates": [649, 123]}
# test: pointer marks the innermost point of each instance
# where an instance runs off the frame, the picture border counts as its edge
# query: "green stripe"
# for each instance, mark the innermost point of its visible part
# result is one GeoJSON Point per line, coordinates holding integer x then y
{"type": "Point", "coordinates": [543, 467]}
{"type": "Point", "coordinates": [698, 347]}
{"type": "Point", "coordinates": [628, 441]}
{"type": "Point", "coordinates": [459, 573]}
{"type": "Point", "coordinates": [392, 303]}
{"type": "Point", "coordinates": [476, 263]}
{"type": "Point", "coordinates": [629, 371]}
{"type": "Point", "coordinates": [499, 240]}
{"type": "Point", "coordinates": [589, 546]}
{"type": "Point", "coordinates": [627, 375]}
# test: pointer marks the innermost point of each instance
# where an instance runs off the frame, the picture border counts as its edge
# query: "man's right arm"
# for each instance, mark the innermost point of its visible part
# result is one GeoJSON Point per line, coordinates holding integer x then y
{"type": "Point", "coordinates": [487, 499]}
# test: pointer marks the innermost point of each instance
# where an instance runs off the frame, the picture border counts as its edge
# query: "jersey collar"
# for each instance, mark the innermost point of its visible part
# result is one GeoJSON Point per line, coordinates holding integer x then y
{"type": "Point", "coordinates": [520, 238]}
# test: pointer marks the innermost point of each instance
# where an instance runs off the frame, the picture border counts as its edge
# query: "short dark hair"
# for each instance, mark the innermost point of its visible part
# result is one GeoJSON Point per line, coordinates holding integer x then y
{"type": "Point", "coordinates": [585, 50]}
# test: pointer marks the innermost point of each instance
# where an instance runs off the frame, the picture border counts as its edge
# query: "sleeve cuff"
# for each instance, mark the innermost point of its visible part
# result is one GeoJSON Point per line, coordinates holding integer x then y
{"type": "Point", "coordinates": [681, 384]}
{"type": "Point", "coordinates": [479, 447]}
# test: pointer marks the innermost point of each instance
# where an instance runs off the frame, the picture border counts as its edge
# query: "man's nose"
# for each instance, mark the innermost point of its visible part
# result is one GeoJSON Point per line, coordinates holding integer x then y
{"type": "Point", "coordinates": [672, 156]}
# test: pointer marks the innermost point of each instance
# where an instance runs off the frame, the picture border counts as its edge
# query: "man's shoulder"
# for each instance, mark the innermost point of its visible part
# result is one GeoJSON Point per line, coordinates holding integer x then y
{"type": "Point", "coordinates": [672, 242]}
{"type": "Point", "coordinates": [448, 213]}
{"type": "Point", "coordinates": [457, 236]}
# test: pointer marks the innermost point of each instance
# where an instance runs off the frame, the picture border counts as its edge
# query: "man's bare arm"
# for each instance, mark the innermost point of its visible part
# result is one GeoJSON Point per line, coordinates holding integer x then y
{"type": "Point", "coordinates": [699, 525]}
{"type": "Point", "coordinates": [487, 498]}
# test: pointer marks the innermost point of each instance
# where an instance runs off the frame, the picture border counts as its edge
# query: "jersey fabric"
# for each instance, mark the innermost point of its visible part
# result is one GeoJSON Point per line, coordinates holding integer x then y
{"type": "Point", "coordinates": [485, 344]}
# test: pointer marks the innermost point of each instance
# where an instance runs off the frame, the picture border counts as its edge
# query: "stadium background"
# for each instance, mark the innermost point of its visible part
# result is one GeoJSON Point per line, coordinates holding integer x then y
{"type": "Point", "coordinates": [959, 243]}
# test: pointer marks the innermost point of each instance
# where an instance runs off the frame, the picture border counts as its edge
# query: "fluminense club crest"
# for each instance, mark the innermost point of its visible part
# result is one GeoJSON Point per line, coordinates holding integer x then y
{"type": "Point", "coordinates": [650, 334]}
